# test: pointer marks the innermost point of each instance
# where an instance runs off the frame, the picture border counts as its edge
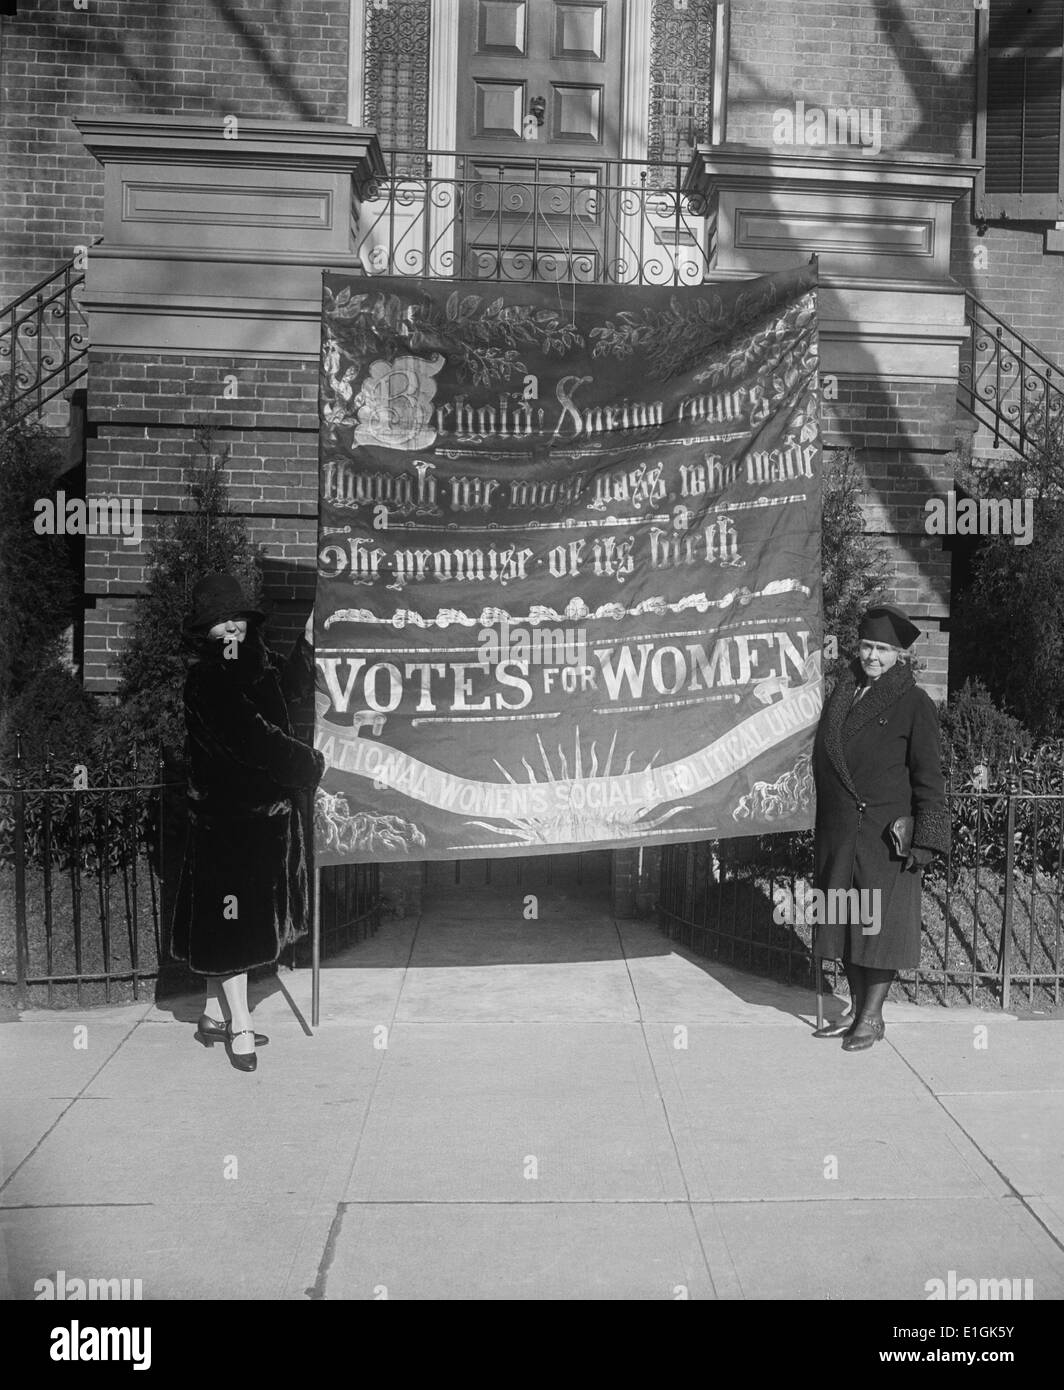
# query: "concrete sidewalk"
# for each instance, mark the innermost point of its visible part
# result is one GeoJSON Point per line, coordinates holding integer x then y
{"type": "Point", "coordinates": [565, 1108]}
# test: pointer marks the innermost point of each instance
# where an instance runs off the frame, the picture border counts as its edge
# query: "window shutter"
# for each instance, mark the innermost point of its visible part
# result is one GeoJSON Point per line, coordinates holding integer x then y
{"type": "Point", "coordinates": [1025, 68]}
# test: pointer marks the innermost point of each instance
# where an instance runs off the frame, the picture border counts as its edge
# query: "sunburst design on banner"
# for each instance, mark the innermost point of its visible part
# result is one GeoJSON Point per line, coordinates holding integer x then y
{"type": "Point", "coordinates": [559, 824]}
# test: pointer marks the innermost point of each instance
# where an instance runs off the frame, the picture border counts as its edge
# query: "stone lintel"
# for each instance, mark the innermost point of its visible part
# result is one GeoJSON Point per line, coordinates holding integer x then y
{"type": "Point", "coordinates": [881, 228]}
{"type": "Point", "coordinates": [216, 245]}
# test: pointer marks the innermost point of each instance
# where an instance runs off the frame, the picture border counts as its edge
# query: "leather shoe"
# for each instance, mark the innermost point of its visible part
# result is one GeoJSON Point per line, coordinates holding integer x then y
{"type": "Point", "coordinates": [838, 1029]}
{"type": "Point", "coordinates": [243, 1061]}
{"type": "Point", "coordinates": [209, 1031]}
{"type": "Point", "coordinates": [869, 1032]}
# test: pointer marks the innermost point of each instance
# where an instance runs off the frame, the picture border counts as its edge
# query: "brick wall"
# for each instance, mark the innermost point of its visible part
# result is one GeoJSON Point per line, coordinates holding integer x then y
{"type": "Point", "coordinates": [1008, 269]}
{"type": "Point", "coordinates": [143, 414]}
{"type": "Point", "coordinates": [911, 61]}
{"type": "Point", "coordinates": [915, 62]}
{"type": "Point", "coordinates": [272, 58]}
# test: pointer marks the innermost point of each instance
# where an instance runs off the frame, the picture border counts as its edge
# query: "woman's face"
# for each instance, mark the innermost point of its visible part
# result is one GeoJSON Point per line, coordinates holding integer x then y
{"type": "Point", "coordinates": [231, 629]}
{"type": "Point", "coordinates": [876, 657]}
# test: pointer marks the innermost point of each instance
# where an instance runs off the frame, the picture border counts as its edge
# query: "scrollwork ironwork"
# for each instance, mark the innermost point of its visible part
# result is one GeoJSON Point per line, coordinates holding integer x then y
{"type": "Point", "coordinates": [44, 341]}
{"type": "Point", "coordinates": [681, 78]}
{"type": "Point", "coordinates": [1009, 386]}
{"type": "Point", "coordinates": [610, 221]}
{"type": "Point", "coordinates": [396, 75]}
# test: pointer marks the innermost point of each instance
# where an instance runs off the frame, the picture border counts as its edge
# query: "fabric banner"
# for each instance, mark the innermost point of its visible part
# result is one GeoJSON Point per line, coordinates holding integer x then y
{"type": "Point", "coordinates": [568, 565]}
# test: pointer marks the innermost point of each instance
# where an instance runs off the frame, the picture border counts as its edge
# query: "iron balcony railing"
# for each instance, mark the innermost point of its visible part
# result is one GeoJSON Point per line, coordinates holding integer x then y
{"type": "Point", "coordinates": [448, 215]}
{"type": "Point", "coordinates": [1009, 386]}
{"type": "Point", "coordinates": [44, 343]}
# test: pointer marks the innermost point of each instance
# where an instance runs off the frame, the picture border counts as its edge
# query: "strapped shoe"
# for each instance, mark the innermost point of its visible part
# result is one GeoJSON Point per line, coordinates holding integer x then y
{"type": "Point", "coordinates": [208, 1032]}
{"type": "Point", "coordinates": [859, 1041]}
{"type": "Point", "coordinates": [243, 1061]}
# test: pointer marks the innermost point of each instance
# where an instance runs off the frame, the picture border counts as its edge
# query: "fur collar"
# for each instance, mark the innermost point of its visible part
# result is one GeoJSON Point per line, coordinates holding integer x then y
{"type": "Point", "coordinates": [251, 662]}
{"type": "Point", "coordinates": [843, 719]}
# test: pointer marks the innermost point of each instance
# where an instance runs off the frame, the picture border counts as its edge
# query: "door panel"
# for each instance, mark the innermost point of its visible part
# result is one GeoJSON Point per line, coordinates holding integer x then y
{"type": "Point", "coordinates": [502, 28]}
{"type": "Point", "coordinates": [499, 107]}
{"type": "Point", "coordinates": [576, 113]}
{"type": "Point", "coordinates": [579, 31]}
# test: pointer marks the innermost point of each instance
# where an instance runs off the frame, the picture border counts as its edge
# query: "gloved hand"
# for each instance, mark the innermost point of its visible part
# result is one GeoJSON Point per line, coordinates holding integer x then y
{"type": "Point", "coordinates": [918, 858]}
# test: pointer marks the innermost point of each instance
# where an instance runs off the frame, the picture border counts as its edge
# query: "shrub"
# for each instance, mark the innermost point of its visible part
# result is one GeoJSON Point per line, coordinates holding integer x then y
{"type": "Point", "coordinates": [154, 660]}
{"type": "Point", "coordinates": [57, 721]}
{"type": "Point", "coordinates": [38, 585]}
{"type": "Point", "coordinates": [975, 732]}
{"type": "Point", "coordinates": [1008, 627]}
{"type": "Point", "coordinates": [854, 567]}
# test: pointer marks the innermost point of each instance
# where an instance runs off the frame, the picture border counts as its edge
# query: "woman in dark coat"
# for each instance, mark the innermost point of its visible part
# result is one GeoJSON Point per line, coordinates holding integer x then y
{"type": "Point", "coordinates": [243, 891]}
{"type": "Point", "coordinates": [876, 757]}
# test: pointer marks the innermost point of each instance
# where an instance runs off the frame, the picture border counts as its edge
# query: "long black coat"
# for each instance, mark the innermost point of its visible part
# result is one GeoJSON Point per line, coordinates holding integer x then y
{"type": "Point", "coordinates": [872, 762]}
{"type": "Point", "coordinates": [243, 891]}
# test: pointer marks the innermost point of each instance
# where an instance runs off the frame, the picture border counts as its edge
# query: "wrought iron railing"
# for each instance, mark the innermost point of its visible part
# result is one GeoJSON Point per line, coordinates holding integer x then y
{"type": "Point", "coordinates": [44, 343]}
{"type": "Point", "coordinates": [87, 880]}
{"type": "Point", "coordinates": [528, 218]}
{"type": "Point", "coordinates": [993, 910]}
{"type": "Point", "coordinates": [1009, 386]}
{"type": "Point", "coordinates": [81, 884]}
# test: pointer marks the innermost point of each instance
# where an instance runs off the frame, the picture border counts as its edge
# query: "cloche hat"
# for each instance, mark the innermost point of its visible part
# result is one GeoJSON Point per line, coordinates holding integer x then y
{"type": "Point", "coordinates": [216, 598]}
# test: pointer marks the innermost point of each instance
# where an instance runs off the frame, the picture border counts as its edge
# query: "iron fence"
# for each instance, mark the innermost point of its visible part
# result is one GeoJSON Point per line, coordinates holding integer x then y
{"type": "Point", "coordinates": [993, 908]}
{"type": "Point", "coordinates": [87, 880]}
{"type": "Point", "coordinates": [608, 221]}
{"type": "Point", "coordinates": [350, 909]}
{"type": "Point", "coordinates": [81, 884]}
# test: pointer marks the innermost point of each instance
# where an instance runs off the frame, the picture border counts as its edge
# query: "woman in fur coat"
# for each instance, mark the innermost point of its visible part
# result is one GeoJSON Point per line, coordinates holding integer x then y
{"type": "Point", "coordinates": [877, 756]}
{"type": "Point", "coordinates": [243, 891]}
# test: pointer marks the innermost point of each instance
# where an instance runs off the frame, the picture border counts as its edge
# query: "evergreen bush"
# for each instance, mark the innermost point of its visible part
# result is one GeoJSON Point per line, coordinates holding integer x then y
{"type": "Point", "coordinates": [1008, 627]}
{"type": "Point", "coordinates": [154, 661]}
{"type": "Point", "coordinates": [57, 721]}
{"type": "Point", "coordinates": [854, 567]}
{"type": "Point", "coordinates": [39, 589]}
{"type": "Point", "coordinates": [976, 733]}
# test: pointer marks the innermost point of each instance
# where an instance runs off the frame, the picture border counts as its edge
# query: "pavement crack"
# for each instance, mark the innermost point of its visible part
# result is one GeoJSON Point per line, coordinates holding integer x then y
{"type": "Point", "coordinates": [665, 1113]}
{"type": "Point", "coordinates": [1013, 1189]}
{"type": "Point", "coordinates": [66, 1108]}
